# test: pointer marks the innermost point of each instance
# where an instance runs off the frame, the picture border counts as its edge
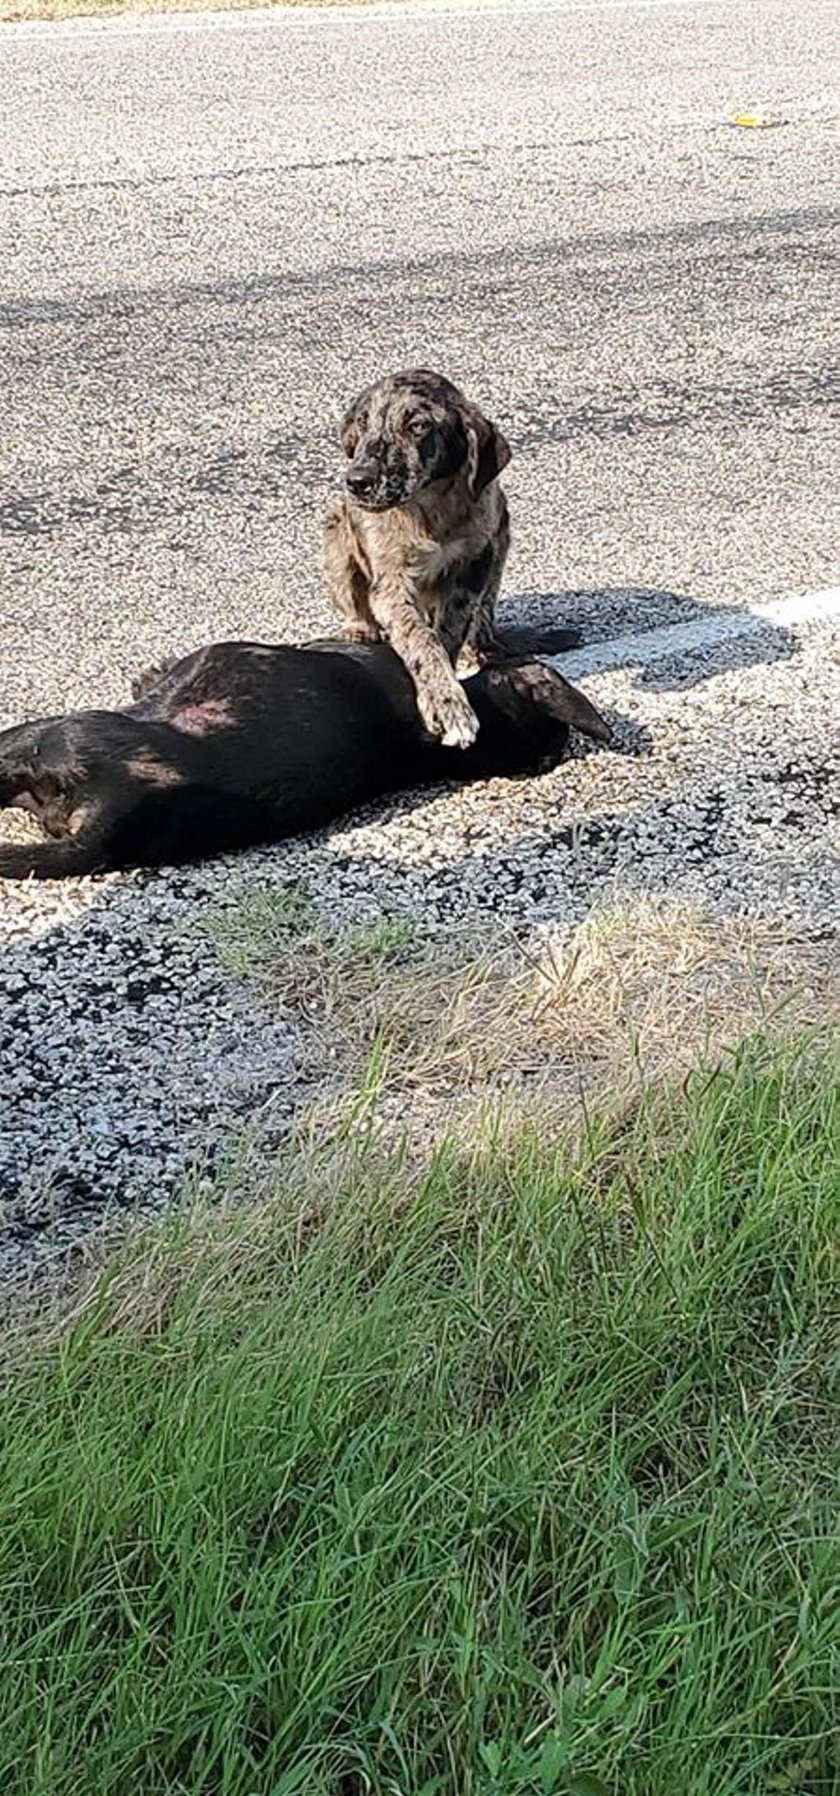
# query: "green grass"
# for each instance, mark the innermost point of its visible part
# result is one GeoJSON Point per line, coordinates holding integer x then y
{"type": "Point", "coordinates": [527, 1484]}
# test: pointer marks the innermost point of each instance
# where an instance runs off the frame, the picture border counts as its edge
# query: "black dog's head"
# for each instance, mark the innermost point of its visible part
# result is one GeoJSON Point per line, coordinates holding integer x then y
{"type": "Point", "coordinates": [541, 706]}
{"type": "Point", "coordinates": [526, 712]}
{"type": "Point", "coordinates": [410, 430]}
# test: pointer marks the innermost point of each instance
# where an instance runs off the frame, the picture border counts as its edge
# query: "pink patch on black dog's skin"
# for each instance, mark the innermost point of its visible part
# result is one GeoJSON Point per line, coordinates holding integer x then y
{"type": "Point", "coordinates": [202, 719]}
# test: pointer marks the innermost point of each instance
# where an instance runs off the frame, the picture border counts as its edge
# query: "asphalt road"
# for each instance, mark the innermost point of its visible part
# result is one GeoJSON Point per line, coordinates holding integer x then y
{"type": "Point", "coordinates": [215, 229]}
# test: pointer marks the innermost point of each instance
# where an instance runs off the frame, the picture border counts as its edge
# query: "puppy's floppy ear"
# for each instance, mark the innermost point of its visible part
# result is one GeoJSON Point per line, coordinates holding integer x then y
{"type": "Point", "coordinates": [488, 452]}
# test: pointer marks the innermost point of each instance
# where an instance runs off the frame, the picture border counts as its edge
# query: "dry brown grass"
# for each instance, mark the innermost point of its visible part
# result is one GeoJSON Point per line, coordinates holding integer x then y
{"type": "Point", "coordinates": [673, 985]}
{"type": "Point", "coordinates": [17, 11]}
{"type": "Point", "coordinates": [429, 1035]}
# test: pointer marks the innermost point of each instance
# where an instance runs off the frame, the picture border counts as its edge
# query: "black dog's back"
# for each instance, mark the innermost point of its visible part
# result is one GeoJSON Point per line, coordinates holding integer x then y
{"type": "Point", "coordinates": [244, 743]}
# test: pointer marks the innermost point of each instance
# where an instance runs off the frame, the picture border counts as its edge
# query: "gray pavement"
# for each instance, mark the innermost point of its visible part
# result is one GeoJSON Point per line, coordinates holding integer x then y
{"type": "Point", "coordinates": [215, 229]}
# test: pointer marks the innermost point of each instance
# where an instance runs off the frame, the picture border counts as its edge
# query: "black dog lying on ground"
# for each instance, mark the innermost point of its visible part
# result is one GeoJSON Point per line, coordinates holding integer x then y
{"type": "Point", "coordinates": [241, 744]}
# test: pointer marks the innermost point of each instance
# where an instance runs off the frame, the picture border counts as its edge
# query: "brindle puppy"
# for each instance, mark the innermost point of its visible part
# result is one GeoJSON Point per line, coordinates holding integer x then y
{"type": "Point", "coordinates": [415, 547]}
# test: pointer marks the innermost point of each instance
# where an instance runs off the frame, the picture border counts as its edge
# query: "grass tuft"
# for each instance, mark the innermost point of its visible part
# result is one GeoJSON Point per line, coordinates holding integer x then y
{"type": "Point", "coordinates": [514, 1475]}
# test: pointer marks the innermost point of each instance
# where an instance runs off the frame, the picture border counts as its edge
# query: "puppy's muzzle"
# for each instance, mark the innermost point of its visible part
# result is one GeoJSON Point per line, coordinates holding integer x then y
{"type": "Point", "coordinates": [362, 480]}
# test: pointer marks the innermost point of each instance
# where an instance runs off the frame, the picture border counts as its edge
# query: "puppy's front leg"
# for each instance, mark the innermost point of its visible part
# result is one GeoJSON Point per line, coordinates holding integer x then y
{"type": "Point", "coordinates": [347, 578]}
{"type": "Point", "coordinates": [441, 700]}
{"type": "Point", "coordinates": [484, 578]}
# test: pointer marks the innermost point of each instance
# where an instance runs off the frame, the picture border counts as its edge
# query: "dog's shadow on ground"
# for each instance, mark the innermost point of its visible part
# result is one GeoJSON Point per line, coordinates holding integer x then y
{"type": "Point", "coordinates": [668, 640]}
{"type": "Point", "coordinates": [689, 641]}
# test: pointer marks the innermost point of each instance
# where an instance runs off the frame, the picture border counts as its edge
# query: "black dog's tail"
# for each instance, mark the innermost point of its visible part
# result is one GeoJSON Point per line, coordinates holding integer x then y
{"type": "Point", "coordinates": [61, 859]}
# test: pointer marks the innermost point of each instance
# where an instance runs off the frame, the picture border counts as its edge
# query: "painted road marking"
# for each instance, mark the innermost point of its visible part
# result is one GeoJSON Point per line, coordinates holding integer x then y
{"type": "Point", "coordinates": [639, 648]}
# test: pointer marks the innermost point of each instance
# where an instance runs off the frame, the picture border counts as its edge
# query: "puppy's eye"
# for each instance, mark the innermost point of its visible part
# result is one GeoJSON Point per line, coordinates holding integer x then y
{"type": "Point", "coordinates": [419, 426]}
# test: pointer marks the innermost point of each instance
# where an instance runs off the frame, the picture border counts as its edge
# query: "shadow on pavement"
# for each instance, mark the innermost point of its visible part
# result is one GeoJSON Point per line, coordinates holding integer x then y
{"type": "Point", "coordinates": [689, 641]}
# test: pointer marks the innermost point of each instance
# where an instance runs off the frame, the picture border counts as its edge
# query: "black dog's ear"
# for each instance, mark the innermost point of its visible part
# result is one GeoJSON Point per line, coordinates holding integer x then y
{"type": "Point", "coordinates": [488, 452]}
{"type": "Point", "coordinates": [545, 688]}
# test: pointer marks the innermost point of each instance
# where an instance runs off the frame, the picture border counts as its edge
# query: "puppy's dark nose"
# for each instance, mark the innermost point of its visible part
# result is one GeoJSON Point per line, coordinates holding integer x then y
{"type": "Point", "coordinates": [362, 479]}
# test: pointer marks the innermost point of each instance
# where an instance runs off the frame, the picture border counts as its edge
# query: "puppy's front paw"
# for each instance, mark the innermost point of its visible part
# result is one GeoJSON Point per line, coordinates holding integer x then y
{"type": "Point", "coordinates": [450, 716]}
{"type": "Point", "coordinates": [461, 735]}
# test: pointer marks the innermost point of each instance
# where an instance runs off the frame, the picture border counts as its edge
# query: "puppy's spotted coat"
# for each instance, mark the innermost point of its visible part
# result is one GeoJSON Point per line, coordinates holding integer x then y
{"type": "Point", "coordinates": [414, 548]}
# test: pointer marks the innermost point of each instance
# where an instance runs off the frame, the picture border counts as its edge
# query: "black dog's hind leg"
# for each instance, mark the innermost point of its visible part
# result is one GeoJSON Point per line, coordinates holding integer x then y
{"type": "Point", "coordinates": [25, 775]}
{"type": "Point", "coordinates": [64, 858]}
{"type": "Point", "coordinates": [19, 766]}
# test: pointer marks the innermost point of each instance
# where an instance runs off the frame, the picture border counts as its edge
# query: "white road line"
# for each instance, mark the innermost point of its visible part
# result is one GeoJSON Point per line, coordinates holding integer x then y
{"type": "Point", "coordinates": [315, 18]}
{"type": "Point", "coordinates": [641, 648]}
